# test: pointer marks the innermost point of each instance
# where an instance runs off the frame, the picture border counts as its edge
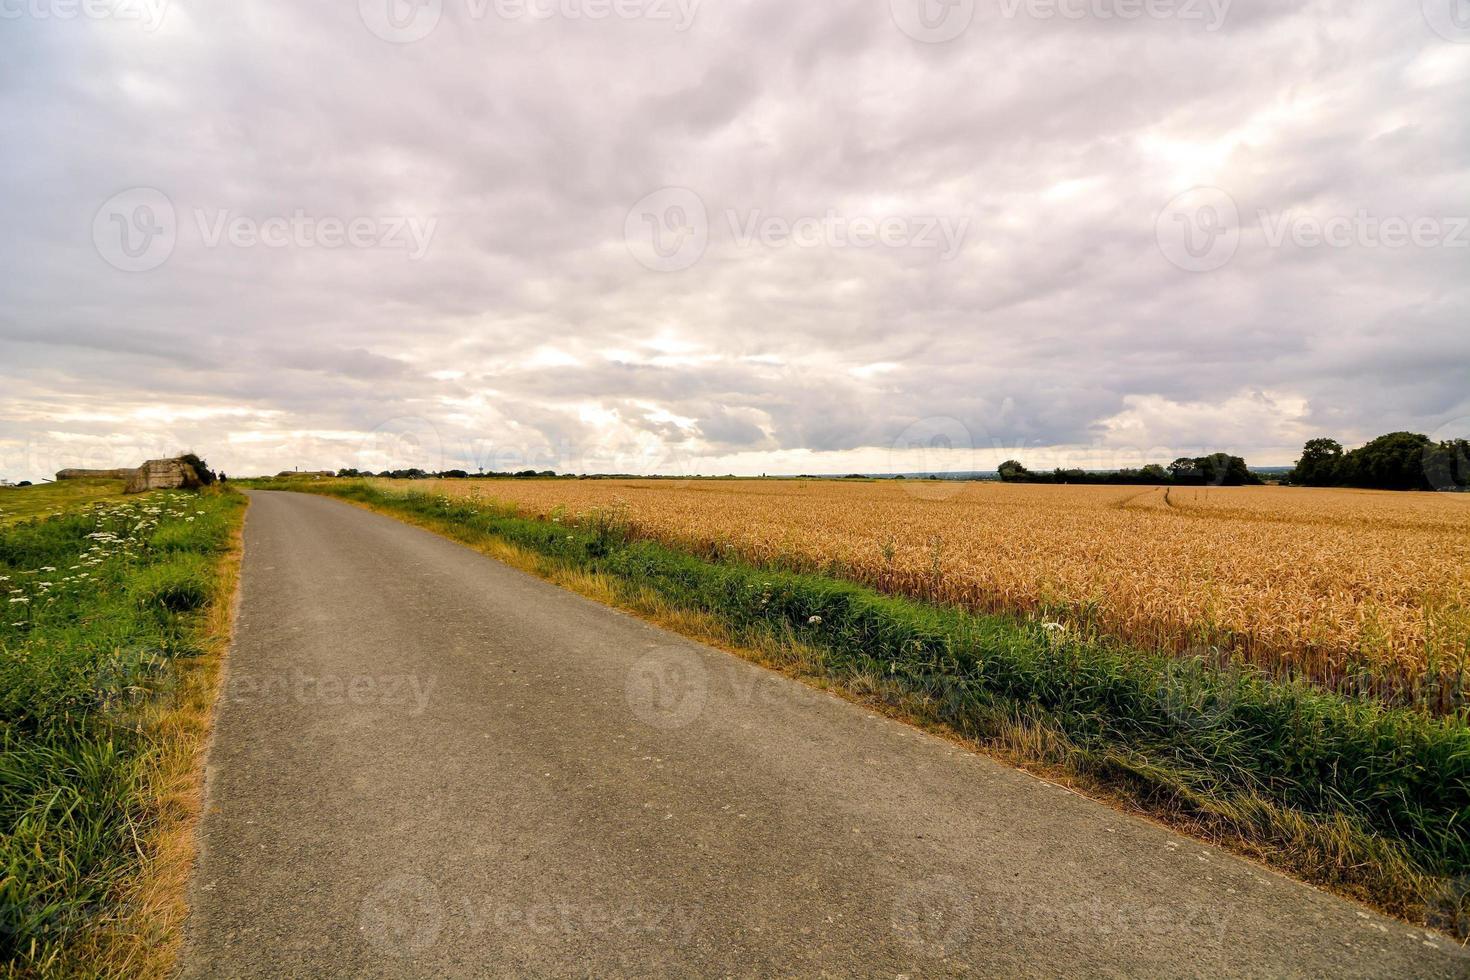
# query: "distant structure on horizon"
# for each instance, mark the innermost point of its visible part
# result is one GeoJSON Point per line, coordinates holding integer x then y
{"type": "Point", "coordinates": [155, 474]}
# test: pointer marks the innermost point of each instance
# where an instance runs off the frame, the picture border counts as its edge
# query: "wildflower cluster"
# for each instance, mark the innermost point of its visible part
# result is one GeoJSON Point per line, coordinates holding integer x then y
{"type": "Point", "coordinates": [120, 534]}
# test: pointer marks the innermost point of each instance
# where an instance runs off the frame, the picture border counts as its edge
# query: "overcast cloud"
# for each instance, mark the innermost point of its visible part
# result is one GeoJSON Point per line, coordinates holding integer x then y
{"type": "Point", "coordinates": [722, 236]}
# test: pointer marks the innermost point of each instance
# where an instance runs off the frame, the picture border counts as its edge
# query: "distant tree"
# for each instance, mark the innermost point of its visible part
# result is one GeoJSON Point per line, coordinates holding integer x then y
{"type": "Point", "coordinates": [1391, 462]}
{"type": "Point", "coordinates": [1320, 464]}
{"type": "Point", "coordinates": [350, 473]}
{"type": "Point", "coordinates": [1214, 470]}
{"type": "Point", "coordinates": [1447, 465]}
{"type": "Point", "coordinates": [1012, 471]}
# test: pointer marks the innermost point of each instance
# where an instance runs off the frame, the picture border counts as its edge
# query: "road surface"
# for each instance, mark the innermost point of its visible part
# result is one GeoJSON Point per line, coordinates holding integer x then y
{"type": "Point", "coordinates": [429, 764]}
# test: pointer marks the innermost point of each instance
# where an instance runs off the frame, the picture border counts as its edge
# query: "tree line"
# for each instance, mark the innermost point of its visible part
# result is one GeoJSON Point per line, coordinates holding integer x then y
{"type": "Point", "coordinates": [1214, 470]}
{"type": "Point", "coordinates": [1396, 461]}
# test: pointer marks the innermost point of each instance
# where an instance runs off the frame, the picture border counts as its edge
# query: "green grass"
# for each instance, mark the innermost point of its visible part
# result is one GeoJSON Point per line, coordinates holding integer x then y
{"type": "Point", "coordinates": [53, 499]}
{"type": "Point", "coordinates": [98, 607]}
{"type": "Point", "coordinates": [1371, 800]}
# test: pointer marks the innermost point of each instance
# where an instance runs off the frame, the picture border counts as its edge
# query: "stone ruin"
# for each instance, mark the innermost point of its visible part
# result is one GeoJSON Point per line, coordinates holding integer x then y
{"type": "Point", "coordinates": [163, 474]}
{"type": "Point", "coordinates": [95, 474]}
{"type": "Point", "coordinates": [156, 474]}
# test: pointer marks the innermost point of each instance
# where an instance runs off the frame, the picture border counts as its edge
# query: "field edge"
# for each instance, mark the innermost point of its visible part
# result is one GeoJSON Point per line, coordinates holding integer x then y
{"type": "Point", "coordinates": [157, 902]}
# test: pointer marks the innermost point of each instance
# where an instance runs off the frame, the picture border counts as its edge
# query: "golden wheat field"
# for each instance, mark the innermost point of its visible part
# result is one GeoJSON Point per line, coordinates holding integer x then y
{"type": "Point", "coordinates": [1324, 582]}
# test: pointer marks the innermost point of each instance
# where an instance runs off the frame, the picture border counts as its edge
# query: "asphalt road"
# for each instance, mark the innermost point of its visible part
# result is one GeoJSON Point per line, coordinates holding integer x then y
{"type": "Point", "coordinates": [429, 764]}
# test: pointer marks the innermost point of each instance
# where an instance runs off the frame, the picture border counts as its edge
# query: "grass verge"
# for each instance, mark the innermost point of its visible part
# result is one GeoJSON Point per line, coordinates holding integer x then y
{"type": "Point", "coordinates": [113, 622]}
{"type": "Point", "coordinates": [1345, 792]}
{"type": "Point", "coordinates": [53, 499]}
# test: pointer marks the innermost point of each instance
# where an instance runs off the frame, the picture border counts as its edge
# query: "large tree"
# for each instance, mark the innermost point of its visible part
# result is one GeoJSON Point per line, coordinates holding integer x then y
{"type": "Point", "coordinates": [1320, 463]}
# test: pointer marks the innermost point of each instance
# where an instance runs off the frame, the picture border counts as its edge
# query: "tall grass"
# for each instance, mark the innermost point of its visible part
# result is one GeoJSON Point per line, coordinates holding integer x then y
{"type": "Point", "coordinates": [1347, 791]}
{"type": "Point", "coordinates": [97, 608]}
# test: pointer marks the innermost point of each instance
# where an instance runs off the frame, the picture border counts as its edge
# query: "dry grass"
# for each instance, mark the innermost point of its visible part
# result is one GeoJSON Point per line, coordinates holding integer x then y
{"type": "Point", "coordinates": [1348, 587]}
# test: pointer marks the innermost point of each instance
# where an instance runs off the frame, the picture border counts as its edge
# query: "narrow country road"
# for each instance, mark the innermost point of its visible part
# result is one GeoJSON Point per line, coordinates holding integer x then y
{"type": "Point", "coordinates": [429, 764]}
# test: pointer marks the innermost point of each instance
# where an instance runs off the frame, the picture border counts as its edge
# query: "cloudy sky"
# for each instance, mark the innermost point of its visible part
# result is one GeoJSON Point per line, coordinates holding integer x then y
{"type": "Point", "coordinates": [728, 236]}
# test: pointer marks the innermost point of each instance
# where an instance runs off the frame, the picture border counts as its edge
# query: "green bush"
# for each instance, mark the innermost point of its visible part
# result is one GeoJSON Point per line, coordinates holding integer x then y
{"type": "Point", "coordinates": [180, 586]}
